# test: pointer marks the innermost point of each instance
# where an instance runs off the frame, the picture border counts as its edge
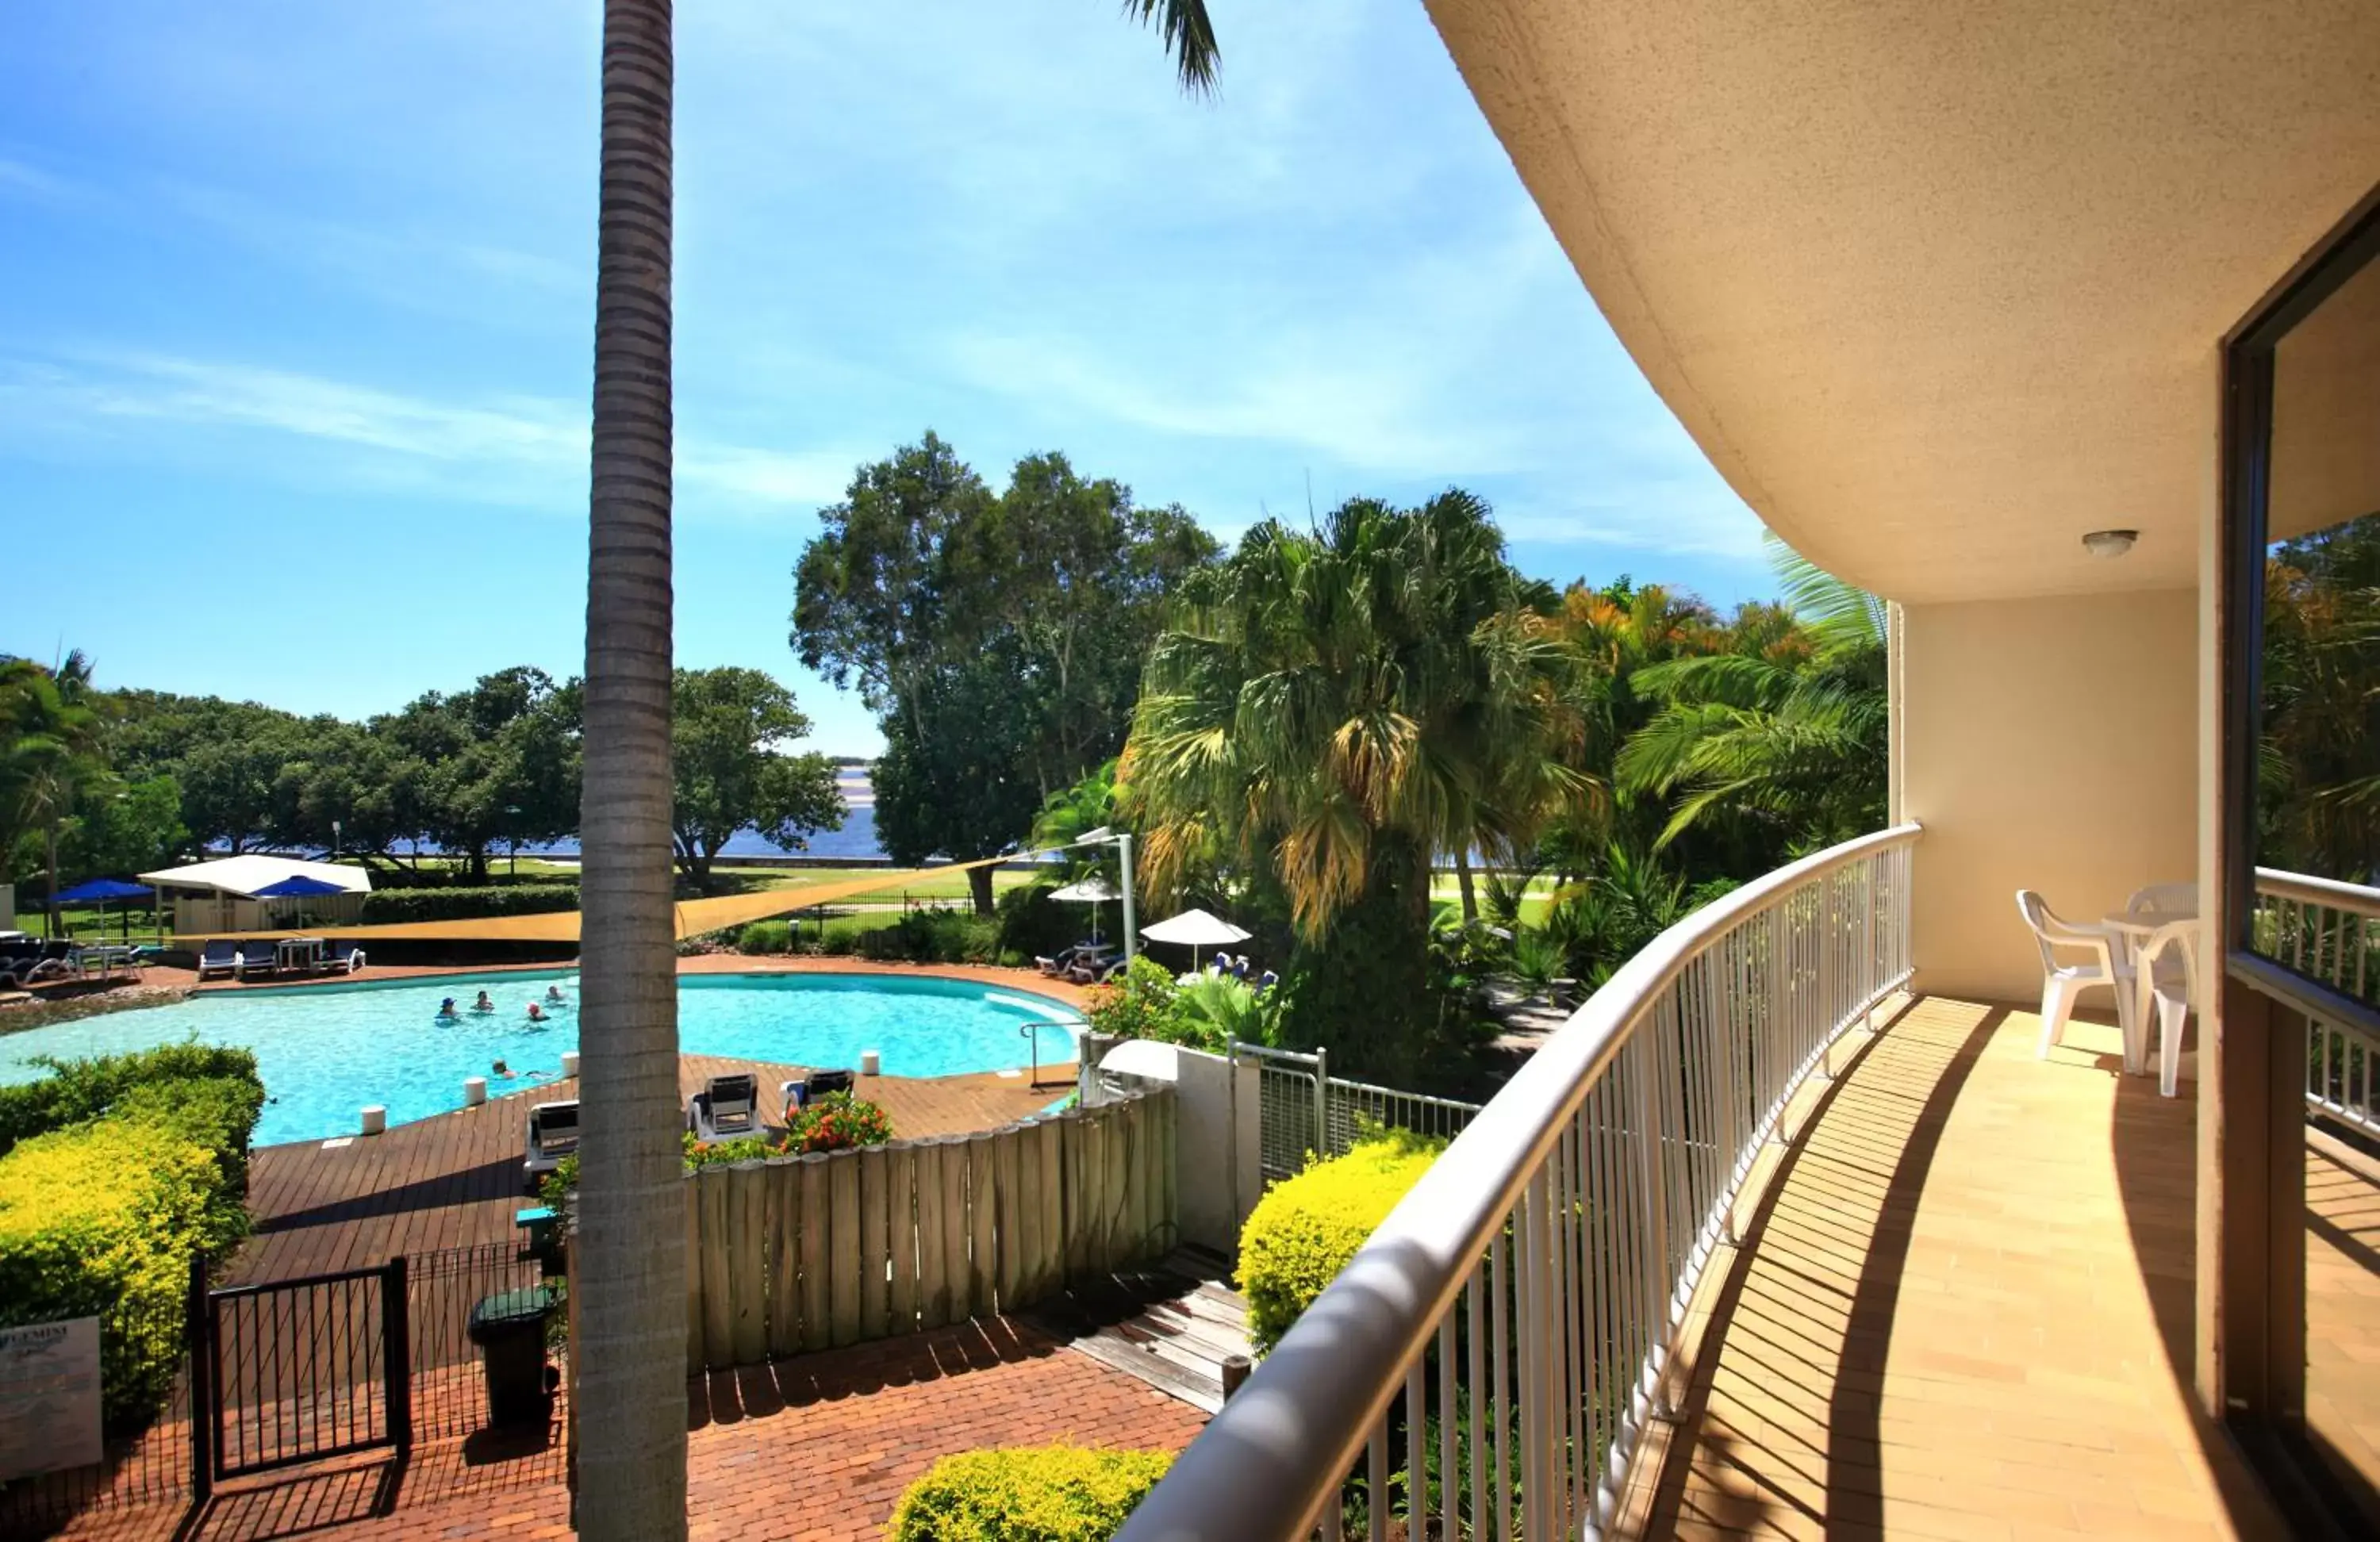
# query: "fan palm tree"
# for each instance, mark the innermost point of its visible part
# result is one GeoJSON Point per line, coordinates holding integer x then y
{"type": "Point", "coordinates": [631, 1350]}
{"type": "Point", "coordinates": [1330, 710]}
{"type": "Point", "coordinates": [49, 754]}
{"type": "Point", "coordinates": [1790, 736]}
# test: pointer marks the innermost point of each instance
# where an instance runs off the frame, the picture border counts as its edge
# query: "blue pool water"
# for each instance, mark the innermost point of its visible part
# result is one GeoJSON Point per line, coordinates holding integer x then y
{"type": "Point", "coordinates": [327, 1051]}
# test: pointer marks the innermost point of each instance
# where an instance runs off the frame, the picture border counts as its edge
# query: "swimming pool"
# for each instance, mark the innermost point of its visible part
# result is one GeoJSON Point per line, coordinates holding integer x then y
{"type": "Point", "coordinates": [327, 1051]}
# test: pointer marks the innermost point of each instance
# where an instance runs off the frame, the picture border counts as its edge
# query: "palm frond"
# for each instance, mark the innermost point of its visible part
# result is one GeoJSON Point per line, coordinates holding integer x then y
{"type": "Point", "coordinates": [1189, 37]}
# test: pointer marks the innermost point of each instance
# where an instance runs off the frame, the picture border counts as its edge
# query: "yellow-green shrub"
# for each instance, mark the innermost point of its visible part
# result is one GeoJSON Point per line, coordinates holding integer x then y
{"type": "Point", "coordinates": [1059, 1493]}
{"type": "Point", "coordinates": [101, 1221]}
{"type": "Point", "coordinates": [1304, 1229]}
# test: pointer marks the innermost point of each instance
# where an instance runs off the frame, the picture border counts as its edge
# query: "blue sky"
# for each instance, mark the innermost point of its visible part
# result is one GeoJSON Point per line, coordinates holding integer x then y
{"type": "Point", "coordinates": [296, 300]}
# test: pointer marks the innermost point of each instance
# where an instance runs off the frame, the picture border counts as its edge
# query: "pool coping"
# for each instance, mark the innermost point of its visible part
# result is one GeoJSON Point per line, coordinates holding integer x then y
{"type": "Point", "coordinates": [1030, 981]}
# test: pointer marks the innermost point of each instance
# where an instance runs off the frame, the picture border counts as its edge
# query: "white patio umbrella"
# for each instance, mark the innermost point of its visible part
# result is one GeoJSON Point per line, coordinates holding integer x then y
{"type": "Point", "coordinates": [1090, 892]}
{"type": "Point", "coordinates": [1195, 929]}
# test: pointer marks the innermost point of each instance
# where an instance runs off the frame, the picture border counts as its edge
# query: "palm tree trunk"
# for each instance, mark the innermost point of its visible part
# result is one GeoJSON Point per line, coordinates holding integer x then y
{"type": "Point", "coordinates": [1462, 878]}
{"type": "Point", "coordinates": [631, 1463]}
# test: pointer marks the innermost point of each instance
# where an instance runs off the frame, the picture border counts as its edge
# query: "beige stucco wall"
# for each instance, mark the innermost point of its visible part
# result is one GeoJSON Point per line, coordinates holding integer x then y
{"type": "Point", "coordinates": [2047, 744]}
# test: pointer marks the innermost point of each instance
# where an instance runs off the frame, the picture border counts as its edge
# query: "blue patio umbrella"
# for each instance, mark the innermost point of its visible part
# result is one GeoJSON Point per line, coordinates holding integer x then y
{"type": "Point", "coordinates": [298, 888]}
{"type": "Point", "coordinates": [100, 892]}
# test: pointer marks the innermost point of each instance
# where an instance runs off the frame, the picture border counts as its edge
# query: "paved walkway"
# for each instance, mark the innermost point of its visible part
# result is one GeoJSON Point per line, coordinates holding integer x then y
{"type": "Point", "coordinates": [816, 1447]}
{"type": "Point", "coordinates": [1962, 1309]}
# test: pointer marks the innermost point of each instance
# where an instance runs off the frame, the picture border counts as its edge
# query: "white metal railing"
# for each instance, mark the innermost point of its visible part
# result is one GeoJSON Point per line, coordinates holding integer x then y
{"type": "Point", "coordinates": [1502, 1337]}
{"type": "Point", "coordinates": [2330, 931]}
{"type": "Point", "coordinates": [1302, 1108]}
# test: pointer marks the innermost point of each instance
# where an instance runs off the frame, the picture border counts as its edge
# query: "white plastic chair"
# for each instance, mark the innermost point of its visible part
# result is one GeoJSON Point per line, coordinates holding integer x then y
{"type": "Point", "coordinates": [2060, 983]}
{"type": "Point", "coordinates": [2168, 974]}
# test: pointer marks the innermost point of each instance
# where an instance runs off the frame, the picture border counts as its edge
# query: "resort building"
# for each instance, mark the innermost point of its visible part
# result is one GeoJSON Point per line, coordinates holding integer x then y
{"type": "Point", "coordinates": [2044, 322]}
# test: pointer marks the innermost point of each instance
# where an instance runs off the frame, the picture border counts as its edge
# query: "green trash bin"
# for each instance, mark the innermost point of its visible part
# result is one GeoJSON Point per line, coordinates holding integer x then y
{"type": "Point", "coordinates": [509, 1327]}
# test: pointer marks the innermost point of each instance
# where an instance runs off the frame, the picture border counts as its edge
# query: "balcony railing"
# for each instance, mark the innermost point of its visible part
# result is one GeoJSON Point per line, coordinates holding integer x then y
{"type": "Point", "coordinates": [2330, 931]}
{"type": "Point", "coordinates": [1502, 1337]}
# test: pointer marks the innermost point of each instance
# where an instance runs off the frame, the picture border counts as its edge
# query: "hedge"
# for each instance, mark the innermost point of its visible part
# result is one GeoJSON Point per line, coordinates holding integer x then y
{"type": "Point", "coordinates": [1059, 1493]}
{"type": "Point", "coordinates": [81, 1089]}
{"type": "Point", "coordinates": [100, 1220]}
{"type": "Point", "coordinates": [384, 905]}
{"type": "Point", "coordinates": [1306, 1229]}
{"type": "Point", "coordinates": [766, 936]}
{"type": "Point", "coordinates": [117, 1169]}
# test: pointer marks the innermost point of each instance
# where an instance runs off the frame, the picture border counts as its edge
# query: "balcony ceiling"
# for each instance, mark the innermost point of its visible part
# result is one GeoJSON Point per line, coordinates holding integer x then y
{"type": "Point", "coordinates": [1938, 285]}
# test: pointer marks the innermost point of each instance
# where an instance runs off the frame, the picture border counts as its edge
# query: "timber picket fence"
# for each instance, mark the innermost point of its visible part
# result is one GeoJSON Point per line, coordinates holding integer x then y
{"type": "Point", "coordinates": [795, 1254]}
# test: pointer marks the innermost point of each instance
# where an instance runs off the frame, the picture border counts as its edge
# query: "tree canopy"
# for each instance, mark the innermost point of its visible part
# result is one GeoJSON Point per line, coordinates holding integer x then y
{"type": "Point", "coordinates": [730, 735]}
{"type": "Point", "coordinates": [997, 635]}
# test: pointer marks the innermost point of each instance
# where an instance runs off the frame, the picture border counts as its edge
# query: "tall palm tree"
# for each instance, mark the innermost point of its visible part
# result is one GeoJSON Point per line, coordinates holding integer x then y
{"type": "Point", "coordinates": [631, 1451]}
{"type": "Point", "coordinates": [1787, 736]}
{"type": "Point", "coordinates": [1330, 710]}
{"type": "Point", "coordinates": [50, 755]}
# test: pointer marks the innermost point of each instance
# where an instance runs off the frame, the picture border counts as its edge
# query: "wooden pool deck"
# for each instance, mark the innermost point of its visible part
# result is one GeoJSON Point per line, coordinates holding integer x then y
{"type": "Point", "coordinates": [454, 1179]}
{"type": "Point", "coordinates": [1962, 1307]}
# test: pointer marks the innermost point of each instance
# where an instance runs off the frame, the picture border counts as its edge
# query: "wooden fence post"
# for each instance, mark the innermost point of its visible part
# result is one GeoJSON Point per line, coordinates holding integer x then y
{"type": "Point", "coordinates": [902, 1201]}
{"type": "Point", "coordinates": [1049, 1156]}
{"type": "Point", "coordinates": [1008, 1150]}
{"type": "Point", "coordinates": [842, 1265]}
{"type": "Point", "coordinates": [748, 1259]}
{"type": "Point", "coordinates": [694, 1358]}
{"type": "Point", "coordinates": [950, 1161]}
{"type": "Point", "coordinates": [817, 1224]}
{"type": "Point", "coordinates": [933, 1277]}
{"type": "Point", "coordinates": [1170, 1170]}
{"type": "Point", "coordinates": [718, 1294]}
{"type": "Point", "coordinates": [1132, 1170]}
{"type": "Point", "coordinates": [983, 1216]}
{"type": "Point", "coordinates": [1074, 1154]}
{"type": "Point", "coordinates": [875, 1242]}
{"type": "Point", "coordinates": [784, 1203]}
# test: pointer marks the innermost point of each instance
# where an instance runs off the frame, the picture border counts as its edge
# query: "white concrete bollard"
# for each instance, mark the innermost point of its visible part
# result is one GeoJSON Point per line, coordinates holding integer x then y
{"type": "Point", "coordinates": [871, 1063]}
{"type": "Point", "coordinates": [570, 1062]}
{"type": "Point", "coordinates": [375, 1119]}
{"type": "Point", "coordinates": [475, 1091]}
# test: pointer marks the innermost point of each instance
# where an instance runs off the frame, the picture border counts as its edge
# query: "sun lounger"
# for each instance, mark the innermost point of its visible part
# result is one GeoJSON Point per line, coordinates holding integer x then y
{"type": "Point", "coordinates": [815, 1086]}
{"type": "Point", "coordinates": [219, 957]}
{"type": "Point", "coordinates": [727, 1107]}
{"type": "Point", "coordinates": [1089, 969]}
{"type": "Point", "coordinates": [258, 958]}
{"type": "Point", "coordinates": [344, 957]}
{"type": "Point", "coordinates": [553, 1134]}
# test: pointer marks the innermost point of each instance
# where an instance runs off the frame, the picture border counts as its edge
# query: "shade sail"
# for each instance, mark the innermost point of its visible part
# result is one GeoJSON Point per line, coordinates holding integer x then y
{"type": "Point", "coordinates": [101, 891]}
{"type": "Point", "coordinates": [1194, 929]}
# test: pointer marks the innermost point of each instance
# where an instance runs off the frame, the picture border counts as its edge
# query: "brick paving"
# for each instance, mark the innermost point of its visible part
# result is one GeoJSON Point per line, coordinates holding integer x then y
{"type": "Point", "coordinates": [817, 1448]}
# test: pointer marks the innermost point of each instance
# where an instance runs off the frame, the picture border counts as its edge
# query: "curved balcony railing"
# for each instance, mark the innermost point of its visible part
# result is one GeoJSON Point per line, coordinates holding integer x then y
{"type": "Point", "coordinates": [2330, 931]}
{"type": "Point", "coordinates": [1503, 1335]}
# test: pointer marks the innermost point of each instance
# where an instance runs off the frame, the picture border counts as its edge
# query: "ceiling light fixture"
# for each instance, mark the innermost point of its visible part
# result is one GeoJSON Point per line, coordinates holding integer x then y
{"type": "Point", "coordinates": [2110, 543]}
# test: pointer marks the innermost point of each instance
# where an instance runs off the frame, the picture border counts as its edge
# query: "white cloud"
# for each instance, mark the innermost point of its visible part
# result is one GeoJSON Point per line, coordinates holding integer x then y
{"type": "Point", "coordinates": [509, 449]}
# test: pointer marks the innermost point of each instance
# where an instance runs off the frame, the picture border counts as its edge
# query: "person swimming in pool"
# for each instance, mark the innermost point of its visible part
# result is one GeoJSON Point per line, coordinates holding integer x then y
{"type": "Point", "coordinates": [485, 1003]}
{"type": "Point", "coordinates": [553, 995]}
{"type": "Point", "coordinates": [537, 1014]}
{"type": "Point", "coordinates": [446, 1012]}
{"type": "Point", "coordinates": [499, 1068]}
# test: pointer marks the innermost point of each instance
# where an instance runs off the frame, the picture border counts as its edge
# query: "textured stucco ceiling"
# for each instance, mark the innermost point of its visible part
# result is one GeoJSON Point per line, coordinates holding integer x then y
{"type": "Point", "coordinates": [1937, 286]}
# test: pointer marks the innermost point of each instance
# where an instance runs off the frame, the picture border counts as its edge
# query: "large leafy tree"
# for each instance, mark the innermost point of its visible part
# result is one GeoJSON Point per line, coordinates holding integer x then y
{"type": "Point", "coordinates": [631, 1356]}
{"type": "Point", "coordinates": [999, 636]}
{"type": "Point", "coordinates": [731, 736]}
{"type": "Point", "coordinates": [1331, 710]}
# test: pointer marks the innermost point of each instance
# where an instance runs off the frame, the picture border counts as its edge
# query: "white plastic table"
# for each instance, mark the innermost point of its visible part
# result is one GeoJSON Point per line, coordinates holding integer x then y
{"type": "Point", "coordinates": [2131, 934]}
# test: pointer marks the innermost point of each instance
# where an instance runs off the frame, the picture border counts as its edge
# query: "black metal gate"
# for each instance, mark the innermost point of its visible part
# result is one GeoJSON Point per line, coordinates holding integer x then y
{"type": "Point", "coordinates": [297, 1370]}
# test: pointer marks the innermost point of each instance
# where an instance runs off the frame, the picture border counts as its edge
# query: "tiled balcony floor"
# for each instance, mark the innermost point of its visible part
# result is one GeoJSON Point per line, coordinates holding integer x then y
{"type": "Point", "coordinates": [1962, 1308]}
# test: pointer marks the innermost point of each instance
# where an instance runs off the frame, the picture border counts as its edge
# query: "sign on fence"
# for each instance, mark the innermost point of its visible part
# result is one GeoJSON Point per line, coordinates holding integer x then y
{"type": "Point", "coordinates": [49, 1397]}
{"type": "Point", "coordinates": [815, 1252]}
